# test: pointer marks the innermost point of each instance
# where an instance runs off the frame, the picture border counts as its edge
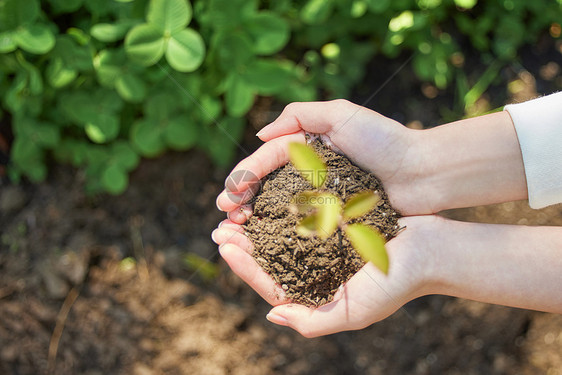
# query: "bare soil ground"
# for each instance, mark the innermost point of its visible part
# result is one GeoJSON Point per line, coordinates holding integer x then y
{"type": "Point", "coordinates": [73, 300]}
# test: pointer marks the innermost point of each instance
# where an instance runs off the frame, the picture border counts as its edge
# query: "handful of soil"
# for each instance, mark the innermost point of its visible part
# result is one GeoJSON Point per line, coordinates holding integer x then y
{"type": "Point", "coordinates": [310, 269]}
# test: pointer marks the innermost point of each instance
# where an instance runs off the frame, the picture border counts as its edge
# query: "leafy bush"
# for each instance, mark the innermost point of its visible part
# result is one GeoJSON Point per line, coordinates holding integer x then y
{"type": "Point", "coordinates": [99, 84]}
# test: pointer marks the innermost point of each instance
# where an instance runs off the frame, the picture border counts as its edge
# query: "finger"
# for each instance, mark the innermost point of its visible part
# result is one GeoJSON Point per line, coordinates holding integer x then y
{"type": "Point", "coordinates": [362, 302]}
{"type": "Point", "coordinates": [223, 236]}
{"type": "Point", "coordinates": [266, 159]}
{"type": "Point", "coordinates": [240, 215]}
{"type": "Point", "coordinates": [231, 225]}
{"type": "Point", "coordinates": [243, 265]}
{"type": "Point", "coordinates": [313, 117]}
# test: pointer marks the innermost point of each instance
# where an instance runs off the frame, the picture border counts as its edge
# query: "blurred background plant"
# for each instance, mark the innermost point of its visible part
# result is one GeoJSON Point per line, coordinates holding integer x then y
{"type": "Point", "coordinates": [100, 84]}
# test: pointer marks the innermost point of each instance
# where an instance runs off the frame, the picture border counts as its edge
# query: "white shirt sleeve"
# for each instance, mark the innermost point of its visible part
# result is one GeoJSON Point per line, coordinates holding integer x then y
{"type": "Point", "coordinates": [538, 124]}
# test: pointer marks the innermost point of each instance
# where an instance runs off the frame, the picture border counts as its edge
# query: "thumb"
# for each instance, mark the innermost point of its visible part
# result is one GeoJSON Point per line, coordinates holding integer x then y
{"type": "Point", "coordinates": [313, 117]}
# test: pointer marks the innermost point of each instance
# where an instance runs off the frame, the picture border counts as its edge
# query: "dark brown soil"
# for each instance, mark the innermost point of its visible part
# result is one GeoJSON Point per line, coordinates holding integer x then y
{"type": "Point", "coordinates": [311, 269]}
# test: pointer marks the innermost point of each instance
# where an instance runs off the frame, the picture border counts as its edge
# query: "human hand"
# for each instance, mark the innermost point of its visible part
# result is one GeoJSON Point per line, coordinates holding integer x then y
{"type": "Point", "coordinates": [369, 296]}
{"type": "Point", "coordinates": [374, 142]}
{"type": "Point", "coordinates": [471, 162]}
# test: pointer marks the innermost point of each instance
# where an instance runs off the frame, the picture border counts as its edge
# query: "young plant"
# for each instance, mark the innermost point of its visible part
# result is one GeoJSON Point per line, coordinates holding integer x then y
{"type": "Point", "coordinates": [325, 212]}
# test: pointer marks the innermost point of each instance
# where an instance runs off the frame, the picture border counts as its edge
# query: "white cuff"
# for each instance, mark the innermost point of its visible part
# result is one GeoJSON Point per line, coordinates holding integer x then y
{"type": "Point", "coordinates": [538, 124]}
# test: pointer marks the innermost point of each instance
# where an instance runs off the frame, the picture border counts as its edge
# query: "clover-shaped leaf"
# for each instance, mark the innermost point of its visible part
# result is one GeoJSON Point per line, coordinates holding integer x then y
{"type": "Point", "coordinates": [169, 15]}
{"type": "Point", "coordinates": [34, 38]}
{"type": "Point", "coordinates": [185, 51]}
{"type": "Point", "coordinates": [145, 45]}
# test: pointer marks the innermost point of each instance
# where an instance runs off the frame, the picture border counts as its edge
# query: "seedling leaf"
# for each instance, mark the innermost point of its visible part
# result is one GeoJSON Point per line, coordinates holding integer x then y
{"type": "Point", "coordinates": [328, 215]}
{"type": "Point", "coordinates": [307, 162]}
{"type": "Point", "coordinates": [369, 244]}
{"type": "Point", "coordinates": [360, 204]}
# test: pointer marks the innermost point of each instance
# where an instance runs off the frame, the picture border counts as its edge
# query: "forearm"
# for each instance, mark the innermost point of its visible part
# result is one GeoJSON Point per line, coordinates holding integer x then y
{"type": "Point", "coordinates": [510, 265]}
{"type": "Point", "coordinates": [472, 162]}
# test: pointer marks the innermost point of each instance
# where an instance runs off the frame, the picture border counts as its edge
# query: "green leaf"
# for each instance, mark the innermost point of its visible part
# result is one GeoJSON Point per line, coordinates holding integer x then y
{"type": "Point", "coordinates": [58, 75]}
{"type": "Point", "coordinates": [169, 16]}
{"type": "Point", "coordinates": [146, 137]}
{"type": "Point", "coordinates": [124, 156]}
{"type": "Point", "coordinates": [28, 157]}
{"type": "Point", "coordinates": [360, 204]}
{"type": "Point", "coordinates": [181, 133]}
{"type": "Point", "coordinates": [131, 88]}
{"type": "Point", "coordinates": [466, 4]}
{"type": "Point", "coordinates": [308, 163]}
{"type": "Point", "coordinates": [7, 43]}
{"type": "Point", "coordinates": [369, 244]}
{"type": "Point", "coordinates": [34, 38]}
{"type": "Point", "coordinates": [239, 97]}
{"type": "Point", "coordinates": [316, 12]}
{"type": "Point", "coordinates": [103, 128]}
{"type": "Point", "coordinates": [186, 50]}
{"type": "Point", "coordinates": [145, 45]}
{"type": "Point", "coordinates": [328, 214]}
{"type": "Point", "coordinates": [109, 66]}
{"type": "Point", "coordinates": [74, 56]}
{"type": "Point", "coordinates": [110, 32]}
{"type": "Point", "coordinates": [34, 80]}
{"type": "Point", "coordinates": [46, 135]}
{"type": "Point", "coordinates": [267, 76]}
{"type": "Point", "coordinates": [14, 13]}
{"type": "Point", "coordinates": [114, 179]}
{"type": "Point", "coordinates": [15, 97]}
{"type": "Point", "coordinates": [269, 32]}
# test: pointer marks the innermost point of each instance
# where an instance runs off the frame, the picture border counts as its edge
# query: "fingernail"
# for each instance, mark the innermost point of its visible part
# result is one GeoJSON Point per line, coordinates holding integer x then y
{"type": "Point", "coordinates": [262, 131]}
{"type": "Point", "coordinates": [213, 236]}
{"type": "Point", "coordinates": [217, 202]}
{"type": "Point", "coordinates": [277, 319]}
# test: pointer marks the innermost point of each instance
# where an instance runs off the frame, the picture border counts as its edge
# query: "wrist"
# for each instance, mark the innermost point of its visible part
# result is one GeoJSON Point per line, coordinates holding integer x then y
{"type": "Point", "coordinates": [471, 162]}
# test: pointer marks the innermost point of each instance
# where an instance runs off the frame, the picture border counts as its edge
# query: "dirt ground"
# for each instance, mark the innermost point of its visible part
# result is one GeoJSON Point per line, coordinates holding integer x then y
{"type": "Point", "coordinates": [98, 285]}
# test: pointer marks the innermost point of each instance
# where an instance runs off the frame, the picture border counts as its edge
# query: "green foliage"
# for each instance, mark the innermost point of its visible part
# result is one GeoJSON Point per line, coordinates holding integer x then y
{"type": "Point", "coordinates": [325, 212]}
{"type": "Point", "coordinates": [79, 77]}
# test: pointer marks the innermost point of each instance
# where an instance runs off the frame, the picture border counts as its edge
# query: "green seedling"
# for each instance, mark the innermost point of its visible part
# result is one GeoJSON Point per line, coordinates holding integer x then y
{"type": "Point", "coordinates": [326, 212]}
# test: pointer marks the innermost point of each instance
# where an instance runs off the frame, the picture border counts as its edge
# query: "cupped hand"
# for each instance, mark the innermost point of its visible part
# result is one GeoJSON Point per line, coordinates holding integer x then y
{"type": "Point", "coordinates": [377, 144]}
{"type": "Point", "coordinates": [374, 142]}
{"type": "Point", "coordinates": [369, 296]}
